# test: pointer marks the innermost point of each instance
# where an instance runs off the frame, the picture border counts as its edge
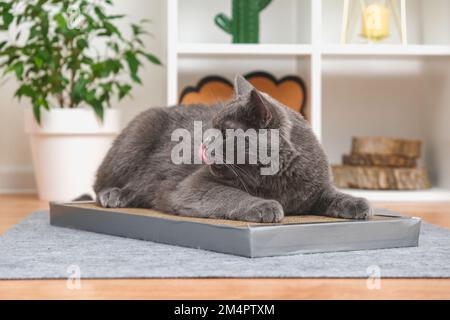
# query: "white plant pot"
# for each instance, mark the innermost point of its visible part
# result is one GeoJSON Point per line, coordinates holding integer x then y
{"type": "Point", "coordinates": [67, 149]}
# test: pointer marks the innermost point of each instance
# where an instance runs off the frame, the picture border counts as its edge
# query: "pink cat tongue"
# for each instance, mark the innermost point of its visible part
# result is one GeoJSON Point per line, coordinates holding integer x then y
{"type": "Point", "coordinates": [202, 153]}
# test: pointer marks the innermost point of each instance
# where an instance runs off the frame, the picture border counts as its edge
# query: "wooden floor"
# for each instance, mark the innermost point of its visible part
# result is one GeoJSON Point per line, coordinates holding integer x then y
{"type": "Point", "coordinates": [15, 208]}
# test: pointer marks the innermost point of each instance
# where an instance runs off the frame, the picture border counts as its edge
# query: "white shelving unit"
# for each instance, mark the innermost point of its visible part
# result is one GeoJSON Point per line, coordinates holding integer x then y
{"type": "Point", "coordinates": [386, 50]}
{"type": "Point", "coordinates": [354, 89]}
{"type": "Point", "coordinates": [186, 49]}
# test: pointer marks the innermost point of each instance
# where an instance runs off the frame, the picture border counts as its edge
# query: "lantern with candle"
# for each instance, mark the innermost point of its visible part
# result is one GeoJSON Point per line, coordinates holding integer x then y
{"type": "Point", "coordinates": [375, 21]}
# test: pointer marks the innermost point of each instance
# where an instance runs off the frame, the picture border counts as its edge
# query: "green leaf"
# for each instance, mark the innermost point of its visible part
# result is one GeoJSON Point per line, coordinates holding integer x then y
{"type": "Point", "coordinates": [18, 69]}
{"type": "Point", "coordinates": [124, 90]}
{"type": "Point", "coordinates": [98, 108]}
{"type": "Point", "coordinates": [37, 112]}
{"type": "Point", "coordinates": [112, 29]}
{"type": "Point", "coordinates": [151, 58]}
{"type": "Point", "coordinates": [117, 16]}
{"type": "Point", "coordinates": [87, 60]}
{"type": "Point", "coordinates": [82, 44]}
{"type": "Point", "coordinates": [42, 102]}
{"type": "Point", "coordinates": [79, 90]}
{"type": "Point", "coordinates": [133, 65]}
{"type": "Point", "coordinates": [103, 69]}
{"type": "Point", "coordinates": [7, 19]}
{"type": "Point", "coordinates": [137, 30]}
{"type": "Point", "coordinates": [98, 70]}
{"type": "Point", "coordinates": [59, 18]}
{"type": "Point", "coordinates": [113, 65]}
{"type": "Point", "coordinates": [99, 12]}
{"type": "Point", "coordinates": [38, 62]}
{"type": "Point", "coordinates": [136, 78]}
{"type": "Point", "coordinates": [25, 90]}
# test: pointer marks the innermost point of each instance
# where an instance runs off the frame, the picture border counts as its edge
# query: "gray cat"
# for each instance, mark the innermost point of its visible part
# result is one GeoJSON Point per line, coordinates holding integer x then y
{"type": "Point", "coordinates": [138, 171]}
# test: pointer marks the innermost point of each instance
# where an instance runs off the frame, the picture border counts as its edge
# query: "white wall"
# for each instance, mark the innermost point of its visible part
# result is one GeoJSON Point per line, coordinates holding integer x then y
{"type": "Point", "coordinates": [436, 116]}
{"type": "Point", "coordinates": [15, 163]}
{"type": "Point", "coordinates": [398, 97]}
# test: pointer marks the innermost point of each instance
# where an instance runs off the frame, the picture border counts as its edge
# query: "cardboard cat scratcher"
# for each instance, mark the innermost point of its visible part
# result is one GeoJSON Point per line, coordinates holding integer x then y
{"type": "Point", "coordinates": [295, 234]}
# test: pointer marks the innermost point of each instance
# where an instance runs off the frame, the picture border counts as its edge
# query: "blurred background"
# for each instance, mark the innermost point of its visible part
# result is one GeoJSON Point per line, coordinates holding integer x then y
{"type": "Point", "coordinates": [394, 82]}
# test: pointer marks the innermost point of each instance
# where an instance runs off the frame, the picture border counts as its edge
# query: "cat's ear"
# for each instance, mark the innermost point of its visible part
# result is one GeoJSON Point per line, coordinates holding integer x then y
{"type": "Point", "coordinates": [260, 108]}
{"type": "Point", "coordinates": [241, 86]}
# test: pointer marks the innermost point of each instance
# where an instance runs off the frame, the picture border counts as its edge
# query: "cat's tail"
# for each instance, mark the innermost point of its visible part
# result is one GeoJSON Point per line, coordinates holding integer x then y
{"type": "Point", "coordinates": [84, 197]}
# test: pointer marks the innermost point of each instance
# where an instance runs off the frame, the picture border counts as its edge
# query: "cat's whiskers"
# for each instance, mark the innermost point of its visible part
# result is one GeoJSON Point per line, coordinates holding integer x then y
{"type": "Point", "coordinates": [244, 173]}
{"type": "Point", "coordinates": [237, 176]}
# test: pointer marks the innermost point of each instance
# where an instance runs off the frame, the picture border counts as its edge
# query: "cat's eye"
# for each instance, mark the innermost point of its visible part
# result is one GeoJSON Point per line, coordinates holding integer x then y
{"type": "Point", "coordinates": [231, 125]}
{"type": "Point", "coordinates": [235, 125]}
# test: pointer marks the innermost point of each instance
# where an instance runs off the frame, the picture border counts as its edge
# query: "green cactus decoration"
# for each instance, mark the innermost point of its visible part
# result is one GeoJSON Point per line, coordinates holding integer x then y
{"type": "Point", "coordinates": [244, 24]}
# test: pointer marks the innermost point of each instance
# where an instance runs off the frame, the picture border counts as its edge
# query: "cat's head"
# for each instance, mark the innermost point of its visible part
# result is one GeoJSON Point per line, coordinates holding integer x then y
{"type": "Point", "coordinates": [292, 151]}
{"type": "Point", "coordinates": [249, 108]}
{"type": "Point", "coordinates": [254, 123]}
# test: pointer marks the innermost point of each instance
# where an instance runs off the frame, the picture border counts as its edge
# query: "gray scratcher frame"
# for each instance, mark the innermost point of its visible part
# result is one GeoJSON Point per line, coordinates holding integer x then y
{"type": "Point", "coordinates": [250, 241]}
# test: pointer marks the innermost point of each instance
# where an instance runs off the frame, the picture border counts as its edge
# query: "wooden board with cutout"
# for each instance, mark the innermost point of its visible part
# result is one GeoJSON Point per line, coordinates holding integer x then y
{"type": "Point", "coordinates": [289, 90]}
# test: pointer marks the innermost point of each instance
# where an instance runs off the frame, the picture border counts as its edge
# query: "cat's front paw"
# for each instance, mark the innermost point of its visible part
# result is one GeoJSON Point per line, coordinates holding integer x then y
{"type": "Point", "coordinates": [110, 198]}
{"type": "Point", "coordinates": [268, 211]}
{"type": "Point", "coordinates": [356, 208]}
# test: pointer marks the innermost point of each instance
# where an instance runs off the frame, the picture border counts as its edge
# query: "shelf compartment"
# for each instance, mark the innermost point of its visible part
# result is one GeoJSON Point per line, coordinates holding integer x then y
{"type": "Point", "coordinates": [426, 23]}
{"type": "Point", "coordinates": [193, 68]}
{"type": "Point", "coordinates": [283, 21]}
{"type": "Point", "coordinates": [391, 97]}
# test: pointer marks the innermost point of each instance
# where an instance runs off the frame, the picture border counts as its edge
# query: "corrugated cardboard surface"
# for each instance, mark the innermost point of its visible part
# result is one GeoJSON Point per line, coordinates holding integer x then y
{"type": "Point", "coordinates": [300, 219]}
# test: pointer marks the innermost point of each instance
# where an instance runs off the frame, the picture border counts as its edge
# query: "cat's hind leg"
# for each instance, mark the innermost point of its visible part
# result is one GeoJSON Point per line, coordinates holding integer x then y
{"type": "Point", "coordinates": [333, 203]}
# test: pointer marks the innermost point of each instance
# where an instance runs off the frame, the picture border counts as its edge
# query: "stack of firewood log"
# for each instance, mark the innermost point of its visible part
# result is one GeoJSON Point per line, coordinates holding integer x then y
{"type": "Point", "coordinates": [380, 163]}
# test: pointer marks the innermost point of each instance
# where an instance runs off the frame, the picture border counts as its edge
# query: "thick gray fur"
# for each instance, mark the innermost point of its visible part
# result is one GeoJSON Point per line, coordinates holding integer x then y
{"type": "Point", "coordinates": [138, 171]}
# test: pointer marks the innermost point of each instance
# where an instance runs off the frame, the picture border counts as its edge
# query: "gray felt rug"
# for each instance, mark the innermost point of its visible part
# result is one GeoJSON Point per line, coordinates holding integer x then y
{"type": "Point", "coordinates": [35, 250]}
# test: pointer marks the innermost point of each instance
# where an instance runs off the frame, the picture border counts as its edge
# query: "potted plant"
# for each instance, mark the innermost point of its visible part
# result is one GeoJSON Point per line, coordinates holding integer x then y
{"type": "Point", "coordinates": [71, 62]}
